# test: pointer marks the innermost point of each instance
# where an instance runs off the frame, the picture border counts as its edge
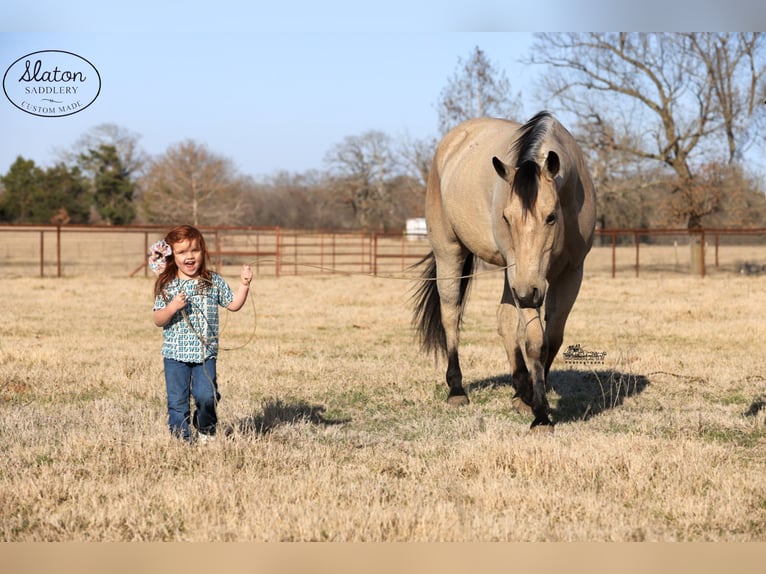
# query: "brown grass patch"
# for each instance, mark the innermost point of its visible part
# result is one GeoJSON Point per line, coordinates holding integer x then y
{"type": "Point", "coordinates": [338, 428]}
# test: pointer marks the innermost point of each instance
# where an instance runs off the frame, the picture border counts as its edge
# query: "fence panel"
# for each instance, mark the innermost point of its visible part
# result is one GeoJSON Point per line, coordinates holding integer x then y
{"type": "Point", "coordinates": [701, 252]}
{"type": "Point", "coordinates": [396, 254]}
{"type": "Point", "coordinates": [306, 252]}
{"type": "Point", "coordinates": [49, 250]}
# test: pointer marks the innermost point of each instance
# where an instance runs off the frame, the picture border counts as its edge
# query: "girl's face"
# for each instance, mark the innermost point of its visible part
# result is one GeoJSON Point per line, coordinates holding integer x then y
{"type": "Point", "coordinates": [188, 258]}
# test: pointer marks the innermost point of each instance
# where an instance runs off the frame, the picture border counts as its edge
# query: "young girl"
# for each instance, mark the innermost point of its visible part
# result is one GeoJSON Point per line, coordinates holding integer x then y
{"type": "Point", "coordinates": [187, 296]}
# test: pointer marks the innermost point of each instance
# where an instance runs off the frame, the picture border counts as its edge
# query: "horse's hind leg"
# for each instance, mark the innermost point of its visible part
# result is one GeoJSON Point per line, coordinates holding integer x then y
{"type": "Point", "coordinates": [452, 290]}
{"type": "Point", "coordinates": [507, 319]}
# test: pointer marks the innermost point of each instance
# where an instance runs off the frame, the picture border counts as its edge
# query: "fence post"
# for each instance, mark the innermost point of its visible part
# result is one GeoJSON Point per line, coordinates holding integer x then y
{"type": "Point", "coordinates": [146, 251]}
{"type": "Point", "coordinates": [58, 251]}
{"type": "Point", "coordinates": [403, 252]}
{"type": "Point", "coordinates": [717, 241]}
{"type": "Point", "coordinates": [278, 255]}
{"type": "Point", "coordinates": [295, 253]}
{"type": "Point", "coordinates": [42, 253]}
{"type": "Point", "coordinates": [374, 254]}
{"type": "Point", "coordinates": [697, 243]}
{"type": "Point", "coordinates": [321, 252]}
{"type": "Point", "coordinates": [218, 259]}
{"type": "Point", "coordinates": [334, 243]}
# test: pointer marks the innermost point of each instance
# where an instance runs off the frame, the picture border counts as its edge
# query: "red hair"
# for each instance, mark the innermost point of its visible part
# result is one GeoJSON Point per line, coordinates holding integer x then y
{"type": "Point", "coordinates": [177, 235]}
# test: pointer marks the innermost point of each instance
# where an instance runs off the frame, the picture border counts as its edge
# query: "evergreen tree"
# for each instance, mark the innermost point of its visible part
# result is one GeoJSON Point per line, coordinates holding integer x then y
{"type": "Point", "coordinates": [68, 188]}
{"type": "Point", "coordinates": [112, 186]}
{"type": "Point", "coordinates": [22, 191]}
{"type": "Point", "coordinates": [33, 195]}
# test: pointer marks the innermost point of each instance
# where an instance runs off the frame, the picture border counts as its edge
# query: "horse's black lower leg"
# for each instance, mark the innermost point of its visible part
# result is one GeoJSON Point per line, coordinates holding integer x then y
{"type": "Point", "coordinates": [457, 394]}
{"type": "Point", "coordinates": [521, 382]}
{"type": "Point", "coordinates": [541, 420]}
{"type": "Point", "coordinates": [540, 407]}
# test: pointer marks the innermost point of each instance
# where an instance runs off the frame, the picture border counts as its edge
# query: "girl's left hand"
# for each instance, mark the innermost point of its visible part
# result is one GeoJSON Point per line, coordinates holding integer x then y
{"type": "Point", "coordinates": [246, 275]}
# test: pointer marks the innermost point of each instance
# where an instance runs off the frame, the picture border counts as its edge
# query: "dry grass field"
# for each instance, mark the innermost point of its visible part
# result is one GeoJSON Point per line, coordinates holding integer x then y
{"type": "Point", "coordinates": [339, 430]}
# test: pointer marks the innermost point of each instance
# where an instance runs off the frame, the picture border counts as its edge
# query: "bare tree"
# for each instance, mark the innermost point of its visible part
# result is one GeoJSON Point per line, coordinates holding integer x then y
{"type": "Point", "coordinates": [299, 201]}
{"type": "Point", "coordinates": [735, 69]}
{"type": "Point", "coordinates": [619, 178]}
{"type": "Point", "coordinates": [670, 98]}
{"type": "Point", "coordinates": [415, 156]}
{"type": "Point", "coordinates": [476, 89]}
{"type": "Point", "coordinates": [191, 184]}
{"type": "Point", "coordinates": [125, 142]}
{"type": "Point", "coordinates": [362, 166]}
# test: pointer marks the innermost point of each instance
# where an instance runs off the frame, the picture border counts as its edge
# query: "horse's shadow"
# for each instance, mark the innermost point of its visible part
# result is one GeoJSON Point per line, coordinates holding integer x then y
{"type": "Point", "coordinates": [581, 394]}
{"type": "Point", "coordinates": [276, 413]}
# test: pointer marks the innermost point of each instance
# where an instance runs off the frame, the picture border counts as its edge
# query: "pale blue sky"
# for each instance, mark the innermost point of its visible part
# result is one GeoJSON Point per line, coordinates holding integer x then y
{"type": "Point", "coordinates": [267, 101]}
{"type": "Point", "coordinates": [274, 86]}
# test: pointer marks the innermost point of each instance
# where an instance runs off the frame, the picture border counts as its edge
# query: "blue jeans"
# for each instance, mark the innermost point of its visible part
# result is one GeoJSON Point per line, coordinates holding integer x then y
{"type": "Point", "coordinates": [186, 380]}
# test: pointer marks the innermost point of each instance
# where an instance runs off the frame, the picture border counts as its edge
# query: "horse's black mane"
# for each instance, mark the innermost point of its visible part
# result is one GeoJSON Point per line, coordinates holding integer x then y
{"type": "Point", "coordinates": [526, 148]}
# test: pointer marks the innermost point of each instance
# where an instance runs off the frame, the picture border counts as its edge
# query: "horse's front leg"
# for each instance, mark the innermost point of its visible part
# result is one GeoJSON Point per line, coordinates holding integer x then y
{"type": "Point", "coordinates": [558, 304]}
{"type": "Point", "coordinates": [507, 318]}
{"type": "Point", "coordinates": [531, 333]}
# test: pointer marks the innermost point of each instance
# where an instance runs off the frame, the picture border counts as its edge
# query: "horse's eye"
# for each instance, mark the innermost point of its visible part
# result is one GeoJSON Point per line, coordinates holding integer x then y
{"type": "Point", "coordinates": [551, 219]}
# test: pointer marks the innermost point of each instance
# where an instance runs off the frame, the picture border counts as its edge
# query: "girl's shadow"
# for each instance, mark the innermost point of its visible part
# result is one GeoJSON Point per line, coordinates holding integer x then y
{"type": "Point", "coordinates": [582, 394]}
{"type": "Point", "coordinates": [276, 413]}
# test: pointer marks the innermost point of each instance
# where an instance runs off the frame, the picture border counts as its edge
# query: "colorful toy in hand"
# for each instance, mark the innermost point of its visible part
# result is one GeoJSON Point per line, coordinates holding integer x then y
{"type": "Point", "coordinates": [158, 254]}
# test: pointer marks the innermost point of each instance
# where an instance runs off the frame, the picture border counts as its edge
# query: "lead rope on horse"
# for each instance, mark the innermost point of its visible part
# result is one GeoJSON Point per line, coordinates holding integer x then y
{"type": "Point", "coordinates": [203, 314]}
{"type": "Point", "coordinates": [203, 339]}
{"type": "Point", "coordinates": [391, 276]}
{"type": "Point", "coordinates": [204, 342]}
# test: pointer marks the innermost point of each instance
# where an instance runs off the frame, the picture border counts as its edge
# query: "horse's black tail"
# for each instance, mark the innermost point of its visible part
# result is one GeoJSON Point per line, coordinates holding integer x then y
{"type": "Point", "coordinates": [427, 315]}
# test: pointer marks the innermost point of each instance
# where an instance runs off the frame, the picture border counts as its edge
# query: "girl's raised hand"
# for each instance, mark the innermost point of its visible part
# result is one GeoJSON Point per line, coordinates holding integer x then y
{"type": "Point", "coordinates": [246, 275]}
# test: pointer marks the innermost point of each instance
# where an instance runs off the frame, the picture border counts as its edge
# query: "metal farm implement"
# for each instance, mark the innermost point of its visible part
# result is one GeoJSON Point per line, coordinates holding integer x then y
{"type": "Point", "coordinates": [576, 355]}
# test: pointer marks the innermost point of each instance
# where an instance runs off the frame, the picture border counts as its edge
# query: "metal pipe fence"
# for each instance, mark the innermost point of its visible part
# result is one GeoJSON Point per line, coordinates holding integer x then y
{"type": "Point", "coordinates": [71, 250]}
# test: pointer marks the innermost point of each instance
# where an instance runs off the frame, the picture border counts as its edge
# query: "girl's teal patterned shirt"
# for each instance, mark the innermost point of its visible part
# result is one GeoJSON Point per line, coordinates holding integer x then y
{"type": "Point", "coordinates": [194, 338]}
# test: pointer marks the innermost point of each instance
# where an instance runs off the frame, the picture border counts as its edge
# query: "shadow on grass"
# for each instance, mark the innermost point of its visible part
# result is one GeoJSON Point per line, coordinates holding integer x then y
{"type": "Point", "coordinates": [582, 394]}
{"type": "Point", "coordinates": [277, 412]}
{"type": "Point", "coordinates": [489, 383]}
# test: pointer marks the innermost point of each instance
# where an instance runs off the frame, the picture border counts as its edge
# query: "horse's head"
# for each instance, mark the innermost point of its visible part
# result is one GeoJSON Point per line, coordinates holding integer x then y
{"type": "Point", "coordinates": [533, 215]}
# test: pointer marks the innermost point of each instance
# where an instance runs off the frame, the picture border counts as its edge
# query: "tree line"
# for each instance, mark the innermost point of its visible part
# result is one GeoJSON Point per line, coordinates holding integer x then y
{"type": "Point", "coordinates": [667, 121]}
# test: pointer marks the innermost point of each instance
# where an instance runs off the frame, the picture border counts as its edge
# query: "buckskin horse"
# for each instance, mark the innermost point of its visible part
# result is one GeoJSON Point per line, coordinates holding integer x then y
{"type": "Point", "coordinates": [519, 197]}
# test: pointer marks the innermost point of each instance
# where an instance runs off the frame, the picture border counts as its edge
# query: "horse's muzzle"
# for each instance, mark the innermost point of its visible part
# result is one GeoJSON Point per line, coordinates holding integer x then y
{"type": "Point", "coordinates": [531, 298]}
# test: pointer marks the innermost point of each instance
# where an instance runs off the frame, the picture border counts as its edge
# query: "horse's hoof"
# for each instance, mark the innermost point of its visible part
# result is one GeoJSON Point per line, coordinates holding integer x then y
{"type": "Point", "coordinates": [520, 406]}
{"type": "Point", "coordinates": [457, 400]}
{"type": "Point", "coordinates": [542, 425]}
{"type": "Point", "coordinates": [542, 430]}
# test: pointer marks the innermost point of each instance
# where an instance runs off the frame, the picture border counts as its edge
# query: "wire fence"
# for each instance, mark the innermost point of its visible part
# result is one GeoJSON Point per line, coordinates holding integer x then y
{"type": "Point", "coordinates": [73, 250]}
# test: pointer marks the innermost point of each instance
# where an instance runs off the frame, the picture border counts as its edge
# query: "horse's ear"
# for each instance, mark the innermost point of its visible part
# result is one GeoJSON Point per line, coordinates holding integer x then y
{"type": "Point", "coordinates": [502, 170]}
{"type": "Point", "coordinates": [552, 164]}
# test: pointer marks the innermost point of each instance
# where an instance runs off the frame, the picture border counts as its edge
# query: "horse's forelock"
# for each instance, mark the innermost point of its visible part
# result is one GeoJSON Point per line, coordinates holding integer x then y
{"type": "Point", "coordinates": [533, 134]}
{"type": "Point", "coordinates": [525, 184]}
{"type": "Point", "coordinates": [527, 148]}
